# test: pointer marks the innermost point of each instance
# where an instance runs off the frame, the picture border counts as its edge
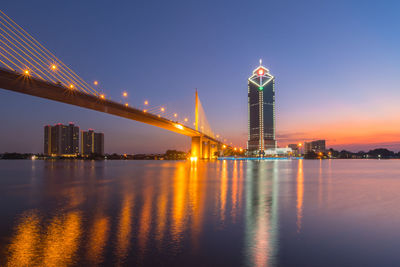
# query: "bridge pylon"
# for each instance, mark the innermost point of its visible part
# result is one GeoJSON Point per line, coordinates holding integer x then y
{"type": "Point", "coordinates": [196, 112]}
{"type": "Point", "coordinates": [203, 146]}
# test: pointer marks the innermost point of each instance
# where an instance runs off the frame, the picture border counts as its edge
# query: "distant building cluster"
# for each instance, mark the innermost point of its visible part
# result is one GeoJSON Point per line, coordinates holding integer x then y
{"type": "Point", "coordinates": [317, 146]}
{"type": "Point", "coordinates": [63, 140]}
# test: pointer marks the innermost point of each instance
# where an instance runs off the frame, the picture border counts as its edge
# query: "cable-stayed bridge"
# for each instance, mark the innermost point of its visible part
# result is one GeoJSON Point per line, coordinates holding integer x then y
{"type": "Point", "coordinates": [28, 67]}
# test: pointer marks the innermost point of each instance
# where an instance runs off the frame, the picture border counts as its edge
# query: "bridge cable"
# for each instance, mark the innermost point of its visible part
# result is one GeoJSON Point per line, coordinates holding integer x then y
{"type": "Point", "coordinates": [26, 66]}
{"type": "Point", "coordinates": [67, 83]}
{"type": "Point", "coordinates": [77, 81]}
{"type": "Point", "coordinates": [69, 72]}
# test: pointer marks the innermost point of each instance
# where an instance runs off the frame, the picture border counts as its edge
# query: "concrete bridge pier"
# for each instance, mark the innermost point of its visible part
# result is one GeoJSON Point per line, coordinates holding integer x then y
{"type": "Point", "coordinates": [220, 150]}
{"type": "Point", "coordinates": [197, 147]}
{"type": "Point", "coordinates": [213, 150]}
{"type": "Point", "coordinates": [204, 148]}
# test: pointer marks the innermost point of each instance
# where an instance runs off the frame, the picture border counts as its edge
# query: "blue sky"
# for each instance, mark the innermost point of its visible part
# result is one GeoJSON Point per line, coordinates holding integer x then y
{"type": "Point", "coordinates": [336, 65]}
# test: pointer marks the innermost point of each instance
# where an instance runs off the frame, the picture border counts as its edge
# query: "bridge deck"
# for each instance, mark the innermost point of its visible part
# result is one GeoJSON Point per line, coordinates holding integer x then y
{"type": "Point", "coordinates": [16, 82]}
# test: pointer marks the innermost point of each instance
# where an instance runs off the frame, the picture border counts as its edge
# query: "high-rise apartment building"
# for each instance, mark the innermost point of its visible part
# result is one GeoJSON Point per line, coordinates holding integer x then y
{"type": "Point", "coordinates": [92, 143]}
{"type": "Point", "coordinates": [261, 111]}
{"type": "Point", "coordinates": [61, 139]}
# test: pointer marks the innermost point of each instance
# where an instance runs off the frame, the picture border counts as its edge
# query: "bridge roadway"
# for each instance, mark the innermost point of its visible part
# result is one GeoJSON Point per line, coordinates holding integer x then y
{"type": "Point", "coordinates": [20, 83]}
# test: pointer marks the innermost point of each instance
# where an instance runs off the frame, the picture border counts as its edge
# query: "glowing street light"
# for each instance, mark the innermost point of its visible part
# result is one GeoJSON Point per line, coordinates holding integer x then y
{"type": "Point", "coordinates": [175, 115]}
{"type": "Point", "coordinates": [126, 104]}
{"type": "Point", "coordinates": [95, 82]}
{"type": "Point", "coordinates": [125, 94]}
{"type": "Point", "coordinates": [186, 119]}
{"type": "Point", "coordinates": [162, 109]}
{"type": "Point", "coordinates": [146, 102]}
{"type": "Point", "coordinates": [53, 67]}
{"type": "Point", "coordinates": [144, 110]}
{"type": "Point", "coordinates": [71, 86]}
{"type": "Point", "coordinates": [180, 127]}
{"type": "Point", "coordinates": [26, 72]}
{"type": "Point", "coordinates": [224, 146]}
{"type": "Point", "coordinates": [102, 96]}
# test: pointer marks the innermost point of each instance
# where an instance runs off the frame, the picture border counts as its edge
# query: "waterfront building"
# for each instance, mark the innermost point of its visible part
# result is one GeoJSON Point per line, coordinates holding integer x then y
{"type": "Point", "coordinates": [261, 111]}
{"type": "Point", "coordinates": [295, 148]}
{"type": "Point", "coordinates": [92, 143]}
{"type": "Point", "coordinates": [307, 147]}
{"type": "Point", "coordinates": [61, 140]}
{"type": "Point", "coordinates": [317, 146]}
{"type": "Point", "coordinates": [281, 151]}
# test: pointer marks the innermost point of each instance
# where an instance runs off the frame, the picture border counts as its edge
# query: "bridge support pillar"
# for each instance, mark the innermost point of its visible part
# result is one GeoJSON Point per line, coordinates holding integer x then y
{"type": "Point", "coordinates": [220, 150]}
{"type": "Point", "coordinates": [197, 147]}
{"type": "Point", "coordinates": [206, 149]}
{"type": "Point", "coordinates": [213, 149]}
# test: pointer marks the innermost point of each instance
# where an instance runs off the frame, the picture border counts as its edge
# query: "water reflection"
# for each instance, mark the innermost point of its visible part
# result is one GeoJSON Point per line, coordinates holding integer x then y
{"type": "Point", "coordinates": [223, 190]}
{"type": "Point", "coordinates": [23, 248]}
{"type": "Point", "coordinates": [179, 204]}
{"type": "Point", "coordinates": [300, 194]}
{"type": "Point", "coordinates": [261, 213]}
{"type": "Point", "coordinates": [197, 196]}
{"type": "Point", "coordinates": [145, 218]}
{"type": "Point", "coordinates": [124, 228]}
{"type": "Point", "coordinates": [92, 213]}
{"type": "Point", "coordinates": [61, 240]}
{"type": "Point", "coordinates": [162, 211]}
{"type": "Point", "coordinates": [234, 195]}
{"type": "Point", "coordinates": [53, 245]}
{"type": "Point", "coordinates": [98, 239]}
{"type": "Point", "coordinates": [216, 213]}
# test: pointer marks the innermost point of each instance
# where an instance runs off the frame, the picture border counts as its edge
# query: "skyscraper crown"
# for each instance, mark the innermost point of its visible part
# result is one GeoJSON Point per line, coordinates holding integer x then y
{"type": "Point", "coordinates": [261, 76]}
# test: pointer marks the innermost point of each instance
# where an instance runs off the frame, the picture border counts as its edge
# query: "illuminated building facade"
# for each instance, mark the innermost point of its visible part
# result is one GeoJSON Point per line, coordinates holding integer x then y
{"type": "Point", "coordinates": [295, 148]}
{"type": "Point", "coordinates": [316, 146]}
{"type": "Point", "coordinates": [261, 111]}
{"type": "Point", "coordinates": [92, 143]}
{"type": "Point", "coordinates": [61, 139]}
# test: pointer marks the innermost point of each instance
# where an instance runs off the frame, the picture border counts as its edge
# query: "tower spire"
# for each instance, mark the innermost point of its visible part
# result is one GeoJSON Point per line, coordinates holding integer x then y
{"type": "Point", "coordinates": [196, 112]}
{"type": "Point", "coordinates": [260, 61]}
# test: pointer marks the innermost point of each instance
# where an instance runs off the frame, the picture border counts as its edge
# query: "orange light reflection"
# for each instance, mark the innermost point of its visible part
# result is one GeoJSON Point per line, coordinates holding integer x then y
{"type": "Point", "coordinates": [300, 194]}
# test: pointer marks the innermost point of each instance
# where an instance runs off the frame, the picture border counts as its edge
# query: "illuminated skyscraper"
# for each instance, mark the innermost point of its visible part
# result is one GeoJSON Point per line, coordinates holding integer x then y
{"type": "Point", "coordinates": [261, 111]}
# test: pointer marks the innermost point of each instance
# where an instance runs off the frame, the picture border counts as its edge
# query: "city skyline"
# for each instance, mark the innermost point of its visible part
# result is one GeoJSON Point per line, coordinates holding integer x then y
{"type": "Point", "coordinates": [68, 140]}
{"type": "Point", "coordinates": [325, 89]}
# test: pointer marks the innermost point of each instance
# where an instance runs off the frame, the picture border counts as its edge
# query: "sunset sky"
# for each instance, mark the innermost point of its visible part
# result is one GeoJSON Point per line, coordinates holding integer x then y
{"type": "Point", "coordinates": [336, 63]}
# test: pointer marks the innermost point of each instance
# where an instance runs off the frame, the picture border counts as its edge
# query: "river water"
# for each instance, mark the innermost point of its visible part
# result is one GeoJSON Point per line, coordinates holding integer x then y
{"type": "Point", "coordinates": [221, 213]}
